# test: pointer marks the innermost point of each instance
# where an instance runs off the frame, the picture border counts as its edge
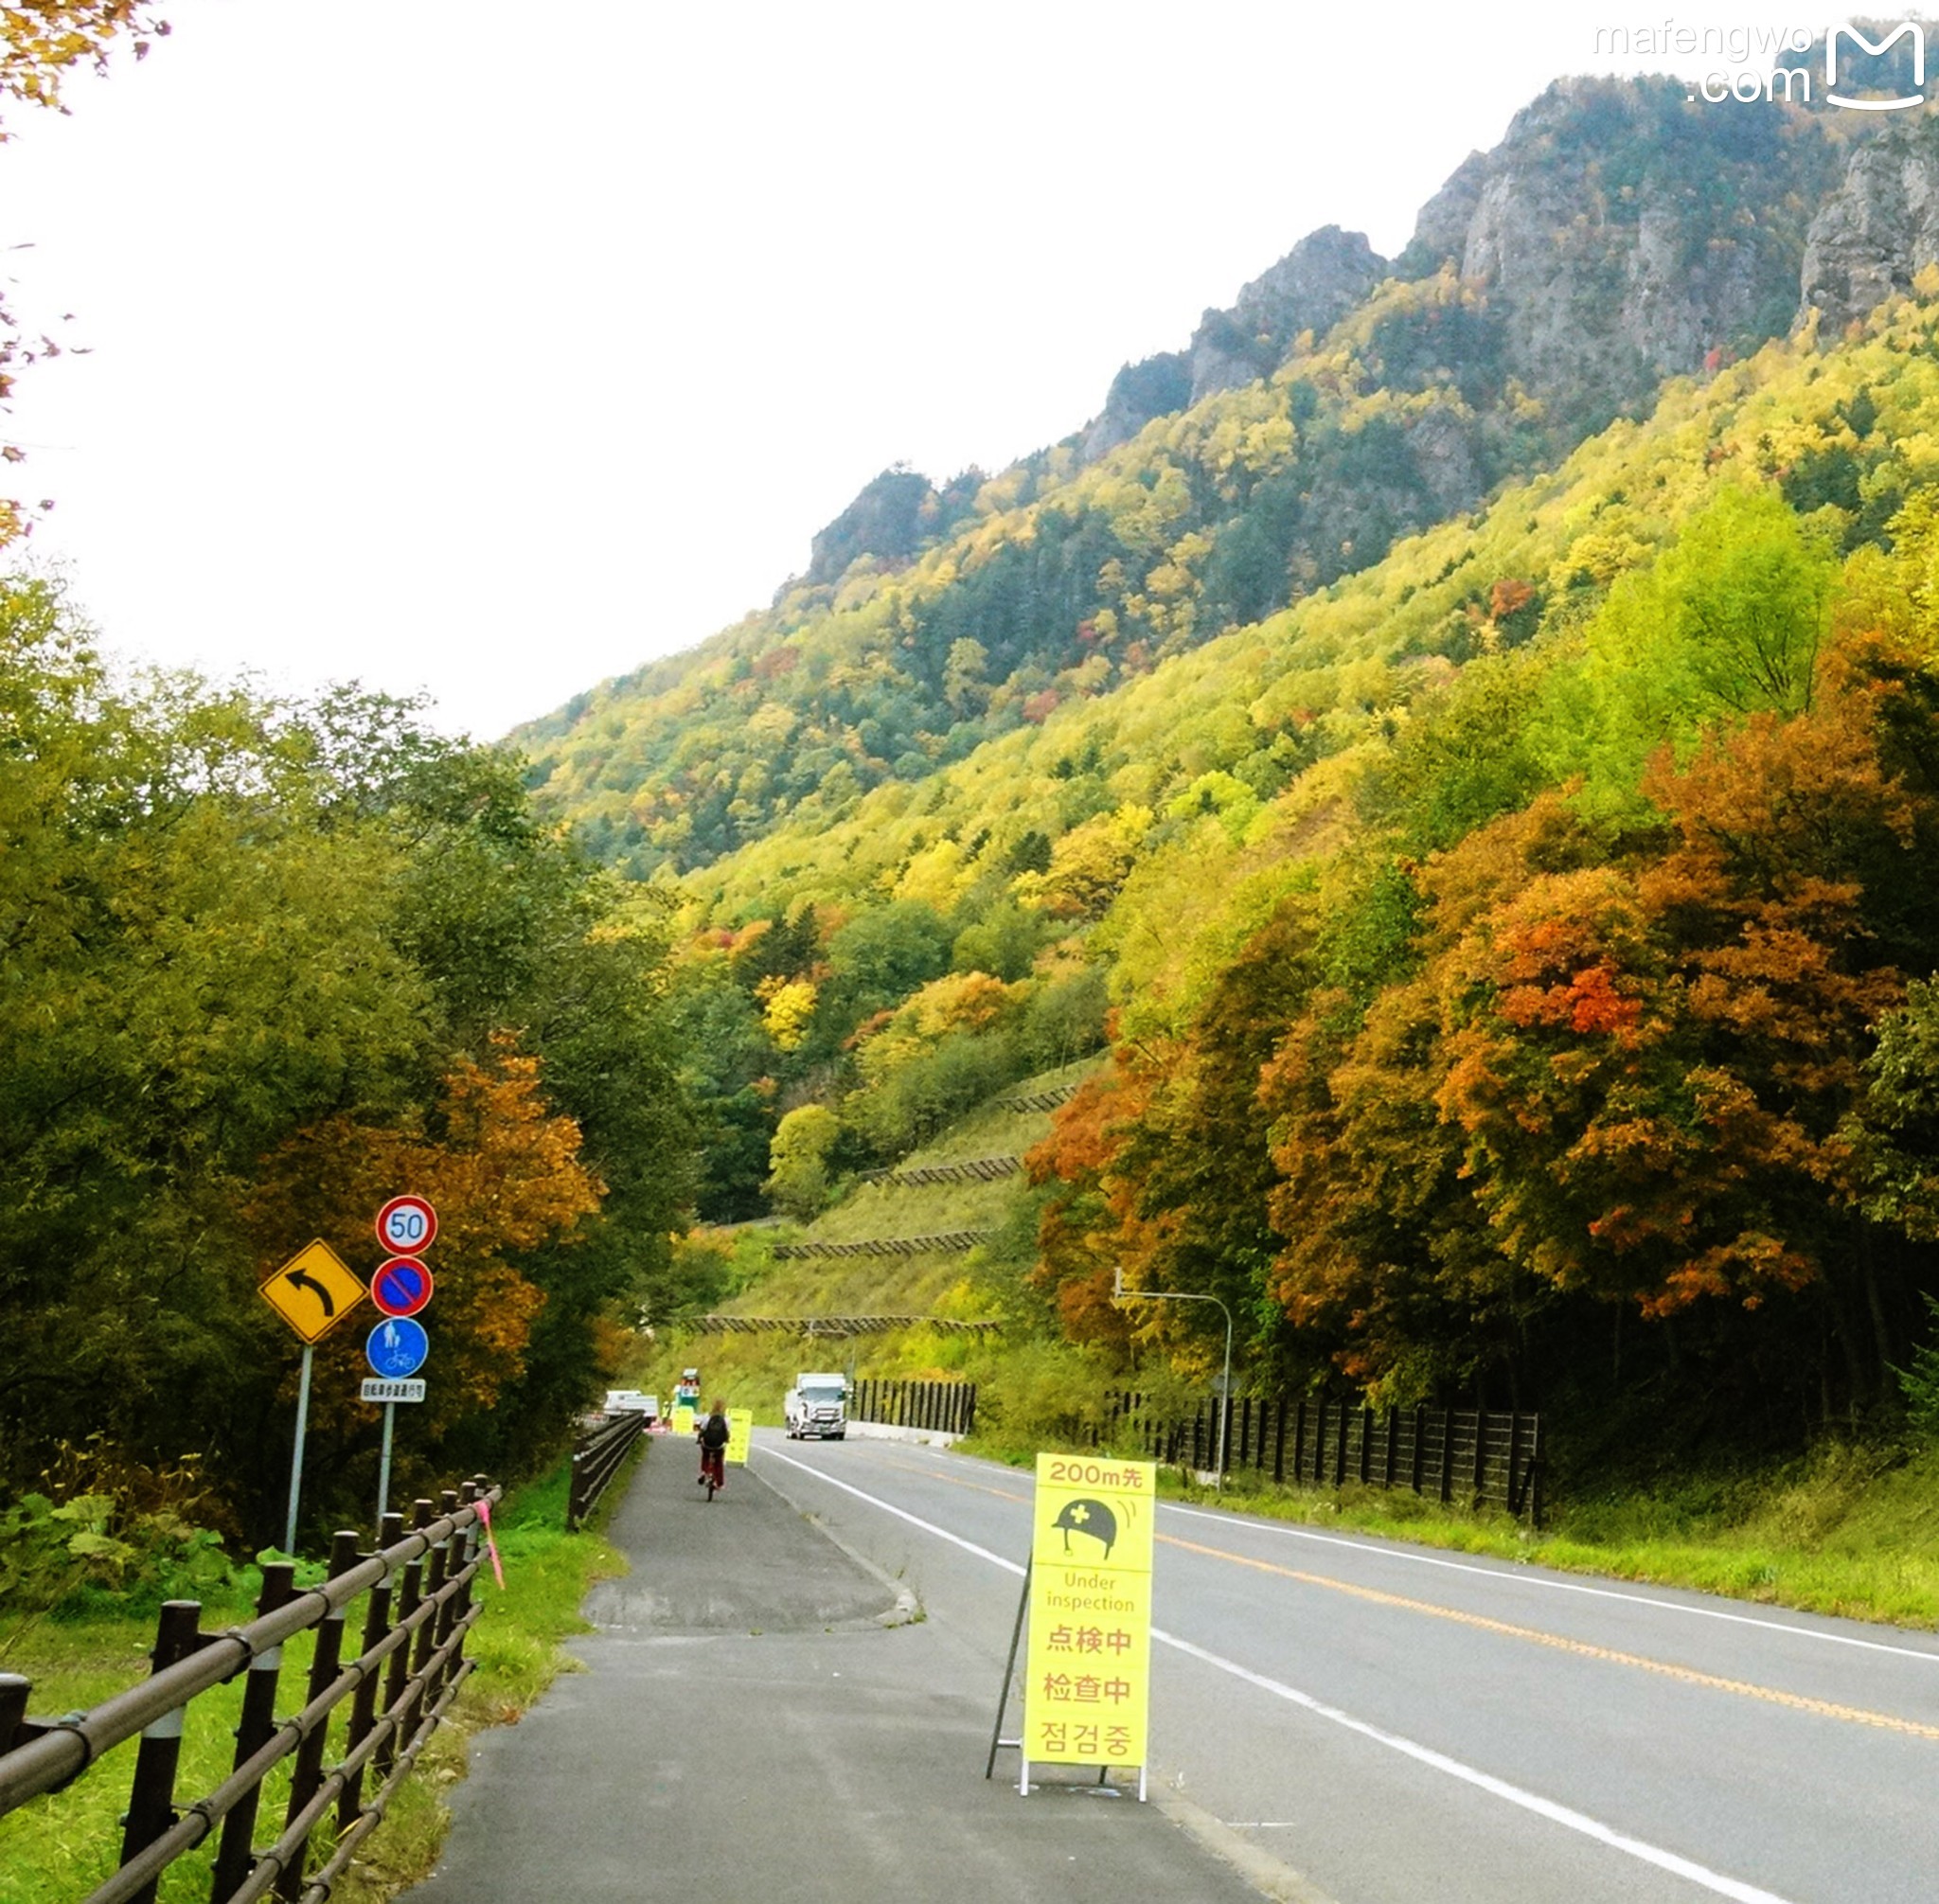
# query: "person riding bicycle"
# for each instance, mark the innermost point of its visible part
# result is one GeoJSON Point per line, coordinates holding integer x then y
{"type": "Point", "coordinates": [713, 1436]}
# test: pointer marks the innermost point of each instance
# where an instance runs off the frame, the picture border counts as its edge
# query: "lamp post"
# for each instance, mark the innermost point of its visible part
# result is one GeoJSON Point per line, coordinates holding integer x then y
{"type": "Point", "coordinates": [1120, 1294]}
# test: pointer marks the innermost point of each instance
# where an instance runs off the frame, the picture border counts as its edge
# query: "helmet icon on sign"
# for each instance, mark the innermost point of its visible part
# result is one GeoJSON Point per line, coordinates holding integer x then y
{"type": "Point", "coordinates": [1088, 1517]}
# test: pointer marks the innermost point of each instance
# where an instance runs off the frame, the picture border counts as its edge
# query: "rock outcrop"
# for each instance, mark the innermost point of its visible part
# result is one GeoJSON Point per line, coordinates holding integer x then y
{"type": "Point", "coordinates": [1322, 278]}
{"type": "Point", "coordinates": [1139, 392]}
{"type": "Point", "coordinates": [1877, 230]}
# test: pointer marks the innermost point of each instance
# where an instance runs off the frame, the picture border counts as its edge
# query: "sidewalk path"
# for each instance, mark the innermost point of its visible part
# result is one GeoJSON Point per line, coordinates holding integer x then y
{"type": "Point", "coordinates": [758, 1724]}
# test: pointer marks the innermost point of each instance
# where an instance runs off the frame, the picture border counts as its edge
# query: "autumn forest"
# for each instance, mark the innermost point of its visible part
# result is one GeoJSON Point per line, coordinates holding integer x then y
{"type": "Point", "coordinates": [1445, 772]}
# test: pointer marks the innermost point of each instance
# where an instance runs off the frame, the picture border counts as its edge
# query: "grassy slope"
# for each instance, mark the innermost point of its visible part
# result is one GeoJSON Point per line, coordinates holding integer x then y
{"type": "Point", "coordinates": [910, 1284]}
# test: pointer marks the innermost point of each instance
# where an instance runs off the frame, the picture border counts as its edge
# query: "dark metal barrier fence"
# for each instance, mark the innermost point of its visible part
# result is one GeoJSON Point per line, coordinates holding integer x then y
{"type": "Point", "coordinates": [942, 1407]}
{"type": "Point", "coordinates": [410, 1666]}
{"type": "Point", "coordinates": [1473, 1456]}
{"type": "Point", "coordinates": [596, 1459]}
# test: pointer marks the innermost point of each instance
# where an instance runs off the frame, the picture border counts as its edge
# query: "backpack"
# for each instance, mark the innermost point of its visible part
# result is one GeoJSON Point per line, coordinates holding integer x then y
{"type": "Point", "coordinates": [716, 1433]}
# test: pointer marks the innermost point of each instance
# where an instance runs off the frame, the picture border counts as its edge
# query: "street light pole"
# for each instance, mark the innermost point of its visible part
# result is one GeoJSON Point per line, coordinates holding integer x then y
{"type": "Point", "coordinates": [1120, 1294]}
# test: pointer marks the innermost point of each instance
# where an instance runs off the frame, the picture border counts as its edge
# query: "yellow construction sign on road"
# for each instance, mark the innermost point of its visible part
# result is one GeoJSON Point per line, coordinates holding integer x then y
{"type": "Point", "coordinates": [313, 1292]}
{"type": "Point", "coordinates": [1087, 1681]}
{"type": "Point", "coordinates": [740, 1433]}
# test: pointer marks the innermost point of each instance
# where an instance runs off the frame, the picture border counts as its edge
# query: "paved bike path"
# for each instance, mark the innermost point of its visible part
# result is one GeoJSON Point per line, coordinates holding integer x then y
{"type": "Point", "coordinates": [758, 1720]}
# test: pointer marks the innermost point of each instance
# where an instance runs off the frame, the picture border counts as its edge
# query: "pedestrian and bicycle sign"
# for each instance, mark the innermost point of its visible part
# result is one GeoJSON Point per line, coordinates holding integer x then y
{"type": "Point", "coordinates": [313, 1292]}
{"type": "Point", "coordinates": [396, 1347]}
{"type": "Point", "coordinates": [401, 1286]}
{"type": "Point", "coordinates": [407, 1226]}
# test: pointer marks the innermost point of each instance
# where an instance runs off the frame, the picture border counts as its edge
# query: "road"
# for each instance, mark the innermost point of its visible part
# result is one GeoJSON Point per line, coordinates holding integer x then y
{"type": "Point", "coordinates": [1360, 1721]}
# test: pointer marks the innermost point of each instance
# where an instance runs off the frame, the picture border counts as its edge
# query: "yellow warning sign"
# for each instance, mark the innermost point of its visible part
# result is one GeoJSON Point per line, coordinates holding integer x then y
{"type": "Point", "coordinates": [682, 1418]}
{"type": "Point", "coordinates": [740, 1433]}
{"type": "Point", "coordinates": [1087, 1683]}
{"type": "Point", "coordinates": [313, 1292]}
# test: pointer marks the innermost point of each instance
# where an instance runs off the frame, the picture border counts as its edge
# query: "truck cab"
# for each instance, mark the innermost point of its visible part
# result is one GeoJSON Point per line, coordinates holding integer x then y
{"type": "Point", "coordinates": [816, 1408]}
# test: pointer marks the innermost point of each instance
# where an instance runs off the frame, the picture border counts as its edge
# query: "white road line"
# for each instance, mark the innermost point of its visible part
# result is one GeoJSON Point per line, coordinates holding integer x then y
{"type": "Point", "coordinates": [900, 1513]}
{"type": "Point", "coordinates": [1542, 1807]}
{"type": "Point", "coordinates": [1528, 1801]}
{"type": "Point", "coordinates": [1521, 1577]}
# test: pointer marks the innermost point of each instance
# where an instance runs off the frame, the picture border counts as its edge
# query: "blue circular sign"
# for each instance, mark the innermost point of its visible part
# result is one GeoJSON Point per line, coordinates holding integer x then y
{"type": "Point", "coordinates": [396, 1347]}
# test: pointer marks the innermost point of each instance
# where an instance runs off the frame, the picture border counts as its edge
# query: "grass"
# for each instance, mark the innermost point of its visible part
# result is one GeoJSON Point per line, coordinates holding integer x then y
{"type": "Point", "coordinates": [62, 1846]}
{"type": "Point", "coordinates": [1851, 1530]}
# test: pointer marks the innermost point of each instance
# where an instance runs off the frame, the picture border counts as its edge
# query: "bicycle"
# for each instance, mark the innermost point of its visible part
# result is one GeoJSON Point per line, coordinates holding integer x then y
{"type": "Point", "coordinates": [714, 1470]}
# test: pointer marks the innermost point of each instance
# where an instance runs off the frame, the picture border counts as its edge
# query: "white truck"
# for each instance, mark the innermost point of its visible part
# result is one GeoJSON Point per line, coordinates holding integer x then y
{"type": "Point", "coordinates": [817, 1407]}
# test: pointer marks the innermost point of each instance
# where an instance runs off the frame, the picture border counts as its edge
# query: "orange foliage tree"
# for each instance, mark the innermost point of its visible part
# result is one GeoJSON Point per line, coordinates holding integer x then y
{"type": "Point", "coordinates": [503, 1173]}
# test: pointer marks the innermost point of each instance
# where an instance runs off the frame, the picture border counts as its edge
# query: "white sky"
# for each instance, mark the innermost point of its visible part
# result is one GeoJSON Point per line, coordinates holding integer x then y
{"type": "Point", "coordinates": [493, 350]}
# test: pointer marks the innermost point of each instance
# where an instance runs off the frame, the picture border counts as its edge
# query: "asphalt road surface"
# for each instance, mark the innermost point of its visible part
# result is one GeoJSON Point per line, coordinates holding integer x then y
{"type": "Point", "coordinates": [766, 1717]}
{"type": "Point", "coordinates": [1356, 1722]}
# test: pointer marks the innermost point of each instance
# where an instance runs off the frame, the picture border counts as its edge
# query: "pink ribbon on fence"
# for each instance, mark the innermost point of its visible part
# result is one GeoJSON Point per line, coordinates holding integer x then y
{"type": "Point", "coordinates": [490, 1545]}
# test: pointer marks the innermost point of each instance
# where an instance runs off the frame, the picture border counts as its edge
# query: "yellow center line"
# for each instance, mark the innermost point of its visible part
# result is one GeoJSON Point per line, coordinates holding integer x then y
{"type": "Point", "coordinates": [955, 1481]}
{"type": "Point", "coordinates": [1744, 1689]}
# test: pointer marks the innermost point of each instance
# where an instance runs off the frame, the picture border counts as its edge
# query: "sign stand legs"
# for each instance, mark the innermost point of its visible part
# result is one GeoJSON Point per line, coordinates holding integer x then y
{"type": "Point", "coordinates": [390, 1411]}
{"type": "Point", "coordinates": [1003, 1697]}
{"type": "Point", "coordinates": [296, 1458]}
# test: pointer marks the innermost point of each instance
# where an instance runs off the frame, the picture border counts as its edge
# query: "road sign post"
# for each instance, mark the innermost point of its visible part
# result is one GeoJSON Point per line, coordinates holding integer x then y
{"type": "Point", "coordinates": [396, 1347]}
{"type": "Point", "coordinates": [313, 1292]}
{"type": "Point", "coordinates": [296, 1454]}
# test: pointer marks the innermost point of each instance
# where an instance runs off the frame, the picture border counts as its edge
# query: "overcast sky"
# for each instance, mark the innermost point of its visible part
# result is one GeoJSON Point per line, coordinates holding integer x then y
{"type": "Point", "coordinates": [493, 350]}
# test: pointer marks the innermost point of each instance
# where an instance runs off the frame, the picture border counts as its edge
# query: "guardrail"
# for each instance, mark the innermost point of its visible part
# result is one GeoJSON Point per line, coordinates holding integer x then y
{"type": "Point", "coordinates": [1473, 1456]}
{"type": "Point", "coordinates": [838, 1325]}
{"type": "Point", "coordinates": [1038, 1100]}
{"type": "Point", "coordinates": [964, 1170]}
{"type": "Point", "coordinates": [946, 1242]}
{"type": "Point", "coordinates": [596, 1459]}
{"type": "Point", "coordinates": [417, 1614]}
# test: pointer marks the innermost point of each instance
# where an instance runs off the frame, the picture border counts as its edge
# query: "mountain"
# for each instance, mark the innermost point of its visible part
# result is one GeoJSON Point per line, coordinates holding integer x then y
{"type": "Point", "coordinates": [1467, 777]}
{"type": "Point", "coordinates": [1621, 235]}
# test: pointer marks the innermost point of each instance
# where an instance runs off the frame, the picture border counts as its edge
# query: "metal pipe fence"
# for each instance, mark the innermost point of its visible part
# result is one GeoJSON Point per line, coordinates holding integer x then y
{"type": "Point", "coordinates": [418, 1611]}
{"type": "Point", "coordinates": [940, 1407]}
{"type": "Point", "coordinates": [596, 1457]}
{"type": "Point", "coordinates": [1473, 1456]}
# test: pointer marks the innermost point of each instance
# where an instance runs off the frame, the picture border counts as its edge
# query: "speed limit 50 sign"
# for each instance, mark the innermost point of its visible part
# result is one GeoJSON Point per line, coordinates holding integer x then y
{"type": "Point", "coordinates": [405, 1226]}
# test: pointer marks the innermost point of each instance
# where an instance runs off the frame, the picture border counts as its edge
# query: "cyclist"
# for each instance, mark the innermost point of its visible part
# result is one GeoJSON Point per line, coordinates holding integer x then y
{"type": "Point", "coordinates": [713, 1436]}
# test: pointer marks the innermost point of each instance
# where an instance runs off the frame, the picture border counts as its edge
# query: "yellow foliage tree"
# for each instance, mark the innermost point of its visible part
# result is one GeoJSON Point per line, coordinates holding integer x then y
{"type": "Point", "coordinates": [504, 1178]}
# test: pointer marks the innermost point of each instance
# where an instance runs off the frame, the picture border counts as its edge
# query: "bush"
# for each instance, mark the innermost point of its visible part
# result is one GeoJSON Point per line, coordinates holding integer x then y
{"type": "Point", "coordinates": [1919, 1384]}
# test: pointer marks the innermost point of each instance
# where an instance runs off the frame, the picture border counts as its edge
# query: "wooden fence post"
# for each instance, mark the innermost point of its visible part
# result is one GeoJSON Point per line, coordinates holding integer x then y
{"type": "Point", "coordinates": [364, 1701]}
{"type": "Point", "coordinates": [234, 1856]}
{"type": "Point", "coordinates": [14, 1693]}
{"type": "Point", "coordinates": [410, 1590]}
{"type": "Point", "coordinates": [152, 1798]}
{"type": "Point", "coordinates": [307, 1772]}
